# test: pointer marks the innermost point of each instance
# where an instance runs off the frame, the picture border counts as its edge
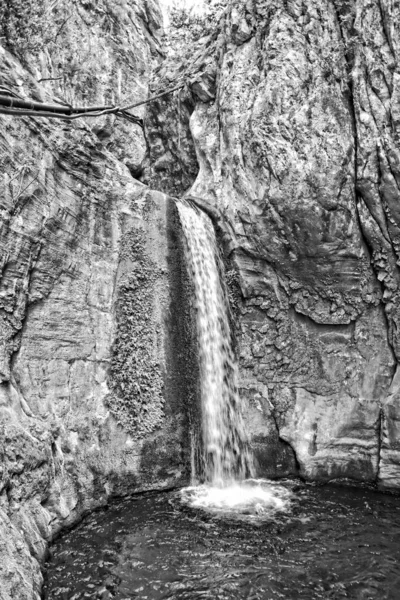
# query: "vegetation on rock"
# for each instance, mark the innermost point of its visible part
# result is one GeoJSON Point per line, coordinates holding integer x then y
{"type": "Point", "coordinates": [136, 380]}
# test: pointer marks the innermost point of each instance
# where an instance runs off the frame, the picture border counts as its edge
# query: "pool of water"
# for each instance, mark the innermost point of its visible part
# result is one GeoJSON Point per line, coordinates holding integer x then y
{"type": "Point", "coordinates": [327, 542]}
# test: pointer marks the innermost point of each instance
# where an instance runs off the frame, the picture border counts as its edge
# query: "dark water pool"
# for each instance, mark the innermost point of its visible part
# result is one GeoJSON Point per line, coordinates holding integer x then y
{"type": "Point", "coordinates": [334, 542]}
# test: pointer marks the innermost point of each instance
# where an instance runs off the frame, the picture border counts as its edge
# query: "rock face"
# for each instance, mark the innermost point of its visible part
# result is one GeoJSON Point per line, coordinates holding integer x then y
{"type": "Point", "coordinates": [297, 144]}
{"type": "Point", "coordinates": [94, 364]}
{"type": "Point", "coordinates": [286, 132]}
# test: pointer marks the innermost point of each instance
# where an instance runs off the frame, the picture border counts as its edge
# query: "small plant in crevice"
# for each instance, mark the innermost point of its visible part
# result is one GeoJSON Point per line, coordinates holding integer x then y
{"type": "Point", "coordinates": [234, 293]}
{"type": "Point", "coordinates": [234, 296]}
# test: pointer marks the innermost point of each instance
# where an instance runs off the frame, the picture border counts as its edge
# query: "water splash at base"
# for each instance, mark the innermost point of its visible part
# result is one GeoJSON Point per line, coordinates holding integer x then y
{"type": "Point", "coordinates": [253, 497]}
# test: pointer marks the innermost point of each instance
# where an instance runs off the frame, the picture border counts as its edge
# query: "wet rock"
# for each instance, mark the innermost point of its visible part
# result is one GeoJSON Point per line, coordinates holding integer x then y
{"type": "Point", "coordinates": [298, 155]}
{"type": "Point", "coordinates": [286, 130]}
{"type": "Point", "coordinates": [91, 365]}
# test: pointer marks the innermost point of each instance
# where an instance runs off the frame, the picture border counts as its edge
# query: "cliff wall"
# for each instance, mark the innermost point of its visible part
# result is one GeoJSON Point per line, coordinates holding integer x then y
{"type": "Point", "coordinates": [286, 131]}
{"type": "Point", "coordinates": [293, 109]}
{"type": "Point", "coordinates": [94, 365]}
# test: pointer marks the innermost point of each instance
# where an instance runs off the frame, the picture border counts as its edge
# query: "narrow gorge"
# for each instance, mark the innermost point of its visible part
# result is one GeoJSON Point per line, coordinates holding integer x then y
{"type": "Point", "coordinates": [283, 128]}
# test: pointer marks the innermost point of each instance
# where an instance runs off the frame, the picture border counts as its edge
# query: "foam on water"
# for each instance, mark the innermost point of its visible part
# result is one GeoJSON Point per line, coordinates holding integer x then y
{"type": "Point", "coordinates": [256, 497]}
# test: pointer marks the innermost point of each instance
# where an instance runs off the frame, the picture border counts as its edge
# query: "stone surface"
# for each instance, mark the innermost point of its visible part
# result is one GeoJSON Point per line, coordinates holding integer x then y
{"type": "Point", "coordinates": [94, 365]}
{"type": "Point", "coordinates": [286, 131]}
{"type": "Point", "coordinates": [298, 166]}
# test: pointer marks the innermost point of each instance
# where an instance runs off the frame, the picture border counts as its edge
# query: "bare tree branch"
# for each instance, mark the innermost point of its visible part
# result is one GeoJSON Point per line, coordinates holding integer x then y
{"type": "Point", "coordinates": [14, 103]}
{"type": "Point", "coordinates": [18, 107]}
{"type": "Point", "coordinates": [54, 115]}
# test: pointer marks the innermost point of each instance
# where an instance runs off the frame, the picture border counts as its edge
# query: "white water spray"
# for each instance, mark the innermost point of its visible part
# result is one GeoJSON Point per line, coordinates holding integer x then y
{"type": "Point", "coordinates": [225, 449]}
{"type": "Point", "coordinates": [227, 458]}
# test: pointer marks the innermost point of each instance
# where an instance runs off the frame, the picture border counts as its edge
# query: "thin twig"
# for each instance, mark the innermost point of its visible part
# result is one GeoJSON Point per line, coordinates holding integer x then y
{"type": "Point", "coordinates": [8, 91]}
{"type": "Point", "coordinates": [59, 31]}
{"type": "Point", "coordinates": [25, 188]}
{"type": "Point", "coordinates": [62, 101]}
{"type": "Point", "coordinates": [49, 79]}
{"type": "Point", "coordinates": [15, 176]}
{"type": "Point", "coordinates": [152, 98]}
{"type": "Point", "coordinates": [21, 180]}
{"type": "Point", "coordinates": [129, 117]}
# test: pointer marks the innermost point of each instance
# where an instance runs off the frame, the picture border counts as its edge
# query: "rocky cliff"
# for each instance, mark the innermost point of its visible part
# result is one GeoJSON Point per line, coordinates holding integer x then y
{"type": "Point", "coordinates": [286, 131]}
{"type": "Point", "coordinates": [293, 109]}
{"type": "Point", "coordinates": [93, 360]}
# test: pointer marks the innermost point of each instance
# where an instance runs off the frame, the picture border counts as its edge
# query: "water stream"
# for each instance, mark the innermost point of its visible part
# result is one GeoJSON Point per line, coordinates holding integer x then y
{"type": "Point", "coordinates": [229, 483]}
{"type": "Point", "coordinates": [226, 453]}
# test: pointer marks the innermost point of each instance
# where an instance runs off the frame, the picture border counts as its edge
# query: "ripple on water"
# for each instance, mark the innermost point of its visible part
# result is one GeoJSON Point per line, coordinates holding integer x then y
{"type": "Point", "coordinates": [324, 543]}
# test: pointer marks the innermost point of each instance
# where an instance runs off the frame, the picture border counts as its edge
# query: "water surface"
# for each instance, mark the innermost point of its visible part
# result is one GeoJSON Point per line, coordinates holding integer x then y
{"type": "Point", "coordinates": [329, 542]}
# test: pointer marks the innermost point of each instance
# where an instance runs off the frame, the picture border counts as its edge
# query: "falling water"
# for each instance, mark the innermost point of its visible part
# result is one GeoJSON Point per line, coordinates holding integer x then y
{"type": "Point", "coordinates": [227, 459]}
{"type": "Point", "coordinates": [226, 453]}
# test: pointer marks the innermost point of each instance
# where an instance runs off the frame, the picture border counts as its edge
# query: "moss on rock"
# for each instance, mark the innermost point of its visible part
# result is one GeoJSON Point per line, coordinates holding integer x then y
{"type": "Point", "coordinates": [136, 382]}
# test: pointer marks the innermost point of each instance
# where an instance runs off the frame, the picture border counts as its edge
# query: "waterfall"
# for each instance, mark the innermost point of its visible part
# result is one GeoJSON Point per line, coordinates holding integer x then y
{"type": "Point", "coordinates": [226, 454]}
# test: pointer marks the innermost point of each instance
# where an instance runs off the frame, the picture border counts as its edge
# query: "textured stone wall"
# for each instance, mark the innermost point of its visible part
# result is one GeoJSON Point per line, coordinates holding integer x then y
{"type": "Point", "coordinates": [296, 138]}
{"type": "Point", "coordinates": [95, 369]}
{"type": "Point", "coordinates": [287, 133]}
